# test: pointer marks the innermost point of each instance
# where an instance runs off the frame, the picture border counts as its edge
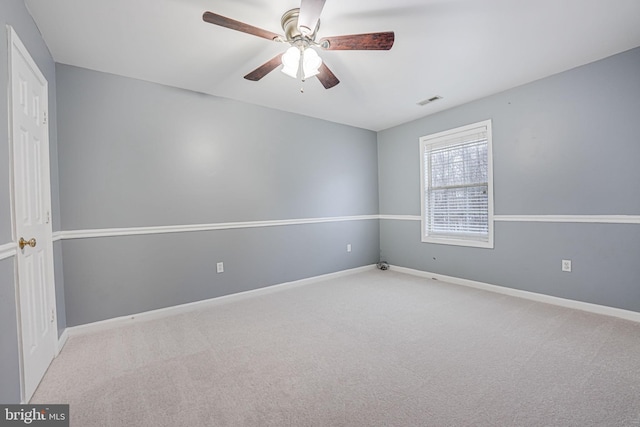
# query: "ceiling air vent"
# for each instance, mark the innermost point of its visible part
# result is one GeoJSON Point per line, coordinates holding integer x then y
{"type": "Point", "coordinates": [430, 100]}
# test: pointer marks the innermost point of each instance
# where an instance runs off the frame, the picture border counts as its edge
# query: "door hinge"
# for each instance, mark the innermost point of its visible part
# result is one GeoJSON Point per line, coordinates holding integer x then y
{"type": "Point", "coordinates": [53, 315]}
{"type": "Point", "coordinates": [48, 217]}
{"type": "Point", "coordinates": [44, 114]}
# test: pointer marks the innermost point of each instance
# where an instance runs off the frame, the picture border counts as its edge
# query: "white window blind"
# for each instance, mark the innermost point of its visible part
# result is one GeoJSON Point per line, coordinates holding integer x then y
{"type": "Point", "coordinates": [457, 186]}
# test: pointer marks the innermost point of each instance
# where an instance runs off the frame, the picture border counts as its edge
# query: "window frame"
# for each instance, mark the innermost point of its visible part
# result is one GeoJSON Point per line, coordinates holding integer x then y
{"type": "Point", "coordinates": [439, 140]}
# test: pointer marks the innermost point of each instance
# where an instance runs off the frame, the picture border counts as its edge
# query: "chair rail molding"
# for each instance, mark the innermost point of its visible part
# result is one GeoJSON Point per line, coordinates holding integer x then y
{"type": "Point", "coordinates": [595, 219]}
{"type": "Point", "coordinates": [130, 231]}
{"type": "Point", "coordinates": [7, 250]}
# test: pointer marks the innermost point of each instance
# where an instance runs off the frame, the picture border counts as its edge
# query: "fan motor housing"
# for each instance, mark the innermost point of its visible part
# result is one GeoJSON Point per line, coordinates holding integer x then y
{"type": "Point", "coordinates": [289, 23]}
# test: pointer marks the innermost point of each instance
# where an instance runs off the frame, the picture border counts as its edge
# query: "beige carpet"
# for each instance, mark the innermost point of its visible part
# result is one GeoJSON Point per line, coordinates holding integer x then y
{"type": "Point", "coordinates": [378, 348]}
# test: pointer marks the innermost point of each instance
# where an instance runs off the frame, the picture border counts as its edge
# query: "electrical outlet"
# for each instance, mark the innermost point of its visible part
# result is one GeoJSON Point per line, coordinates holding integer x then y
{"type": "Point", "coordinates": [566, 265]}
{"type": "Point", "coordinates": [349, 247]}
{"type": "Point", "coordinates": [220, 267]}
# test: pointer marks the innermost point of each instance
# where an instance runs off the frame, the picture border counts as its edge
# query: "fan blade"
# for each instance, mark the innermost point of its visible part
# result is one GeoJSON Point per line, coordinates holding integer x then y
{"type": "Point", "coordinates": [371, 41]}
{"type": "Point", "coordinates": [223, 21]}
{"type": "Point", "coordinates": [310, 11]}
{"type": "Point", "coordinates": [326, 77]}
{"type": "Point", "coordinates": [265, 68]}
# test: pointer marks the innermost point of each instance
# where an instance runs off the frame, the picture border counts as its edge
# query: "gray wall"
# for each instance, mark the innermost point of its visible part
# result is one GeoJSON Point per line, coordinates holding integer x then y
{"type": "Point", "coordinates": [14, 13]}
{"type": "Point", "coordinates": [9, 347]}
{"type": "Point", "coordinates": [135, 154]}
{"type": "Point", "coordinates": [564, 145]}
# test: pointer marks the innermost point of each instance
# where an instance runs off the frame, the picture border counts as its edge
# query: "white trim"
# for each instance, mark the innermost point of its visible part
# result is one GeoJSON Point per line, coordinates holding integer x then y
{"type": "Point", "coordinates": [401, 217]}
{"type": "Point", "coordinates": [444, 137]}
{"type": "Point", "coordinates": [594, 219]}
{"type": "Point", "coordinates": [62, 341]}
{"type": "Point", "coordinates": [468, 242]}
{"type": "Point", "coordinates": [112, 232]}
{"type": "Point", "coordinates": [7, 250]}
{"type": "Point", "coordinates": [548, 299]}
{"type": "Point", "coordinates": [161, 313]}
{"type": "Point", "coordinates": [599, 219]}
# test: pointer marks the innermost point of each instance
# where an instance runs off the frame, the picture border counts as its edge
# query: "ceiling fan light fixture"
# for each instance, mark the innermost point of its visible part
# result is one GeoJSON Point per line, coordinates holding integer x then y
{"type": "Point", "coordinates": [300, 26]}
{"type": "Point", "coordinates": [311, 63]}
{"type": "Point", "coordinates": [291, 61]}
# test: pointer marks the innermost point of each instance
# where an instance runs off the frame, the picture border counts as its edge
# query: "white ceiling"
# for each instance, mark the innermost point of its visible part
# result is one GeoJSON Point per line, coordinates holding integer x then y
{"type": "Point", "coordinates": [459, 49]}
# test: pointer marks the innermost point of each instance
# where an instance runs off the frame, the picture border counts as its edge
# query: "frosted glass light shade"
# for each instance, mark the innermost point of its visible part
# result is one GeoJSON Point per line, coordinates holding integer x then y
{"type": "Point", "coordinates": [291, 61]}
{"type": "Point", "coordinates": [311, 63]}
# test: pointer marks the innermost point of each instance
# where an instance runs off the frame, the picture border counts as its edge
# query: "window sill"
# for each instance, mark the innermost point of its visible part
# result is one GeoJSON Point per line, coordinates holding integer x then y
{"type": "Point", "coordinates": [459, 242]}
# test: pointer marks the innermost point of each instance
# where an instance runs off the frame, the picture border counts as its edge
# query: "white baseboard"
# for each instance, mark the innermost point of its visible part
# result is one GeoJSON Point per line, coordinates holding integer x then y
{"type": "Point", "coordinates": [200, 305]}
{"type": "Point", "coordinates": [116, 322]}
{"type": "Point", "coordinates": [562, 302]}
{"type": "Point", "coordinates": [62, 341]}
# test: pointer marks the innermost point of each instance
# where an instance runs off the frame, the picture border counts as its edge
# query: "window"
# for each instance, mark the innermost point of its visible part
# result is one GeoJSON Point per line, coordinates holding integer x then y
{"type": "Point", "coordinates": [457, 186]}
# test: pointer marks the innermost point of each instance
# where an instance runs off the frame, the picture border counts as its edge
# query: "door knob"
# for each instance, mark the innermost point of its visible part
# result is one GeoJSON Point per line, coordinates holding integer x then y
{"type": "Point", "coordinates": [22, 243]}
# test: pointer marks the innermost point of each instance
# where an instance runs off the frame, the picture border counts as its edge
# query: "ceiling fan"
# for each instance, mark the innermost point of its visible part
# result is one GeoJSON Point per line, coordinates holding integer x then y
{"type": "Point", "coordinates": [300, 26]}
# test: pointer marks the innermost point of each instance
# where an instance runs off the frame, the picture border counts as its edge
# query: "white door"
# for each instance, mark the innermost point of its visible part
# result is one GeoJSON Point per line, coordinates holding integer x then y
{"type": "Point", "coordinates": [32, 216]}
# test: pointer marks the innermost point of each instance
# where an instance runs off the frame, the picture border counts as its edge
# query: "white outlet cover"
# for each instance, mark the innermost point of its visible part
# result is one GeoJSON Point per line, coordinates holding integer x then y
{"type": "Point", "coordinates": [220, 267]}
{"type": "Point", "coordinates": [566, 265]}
